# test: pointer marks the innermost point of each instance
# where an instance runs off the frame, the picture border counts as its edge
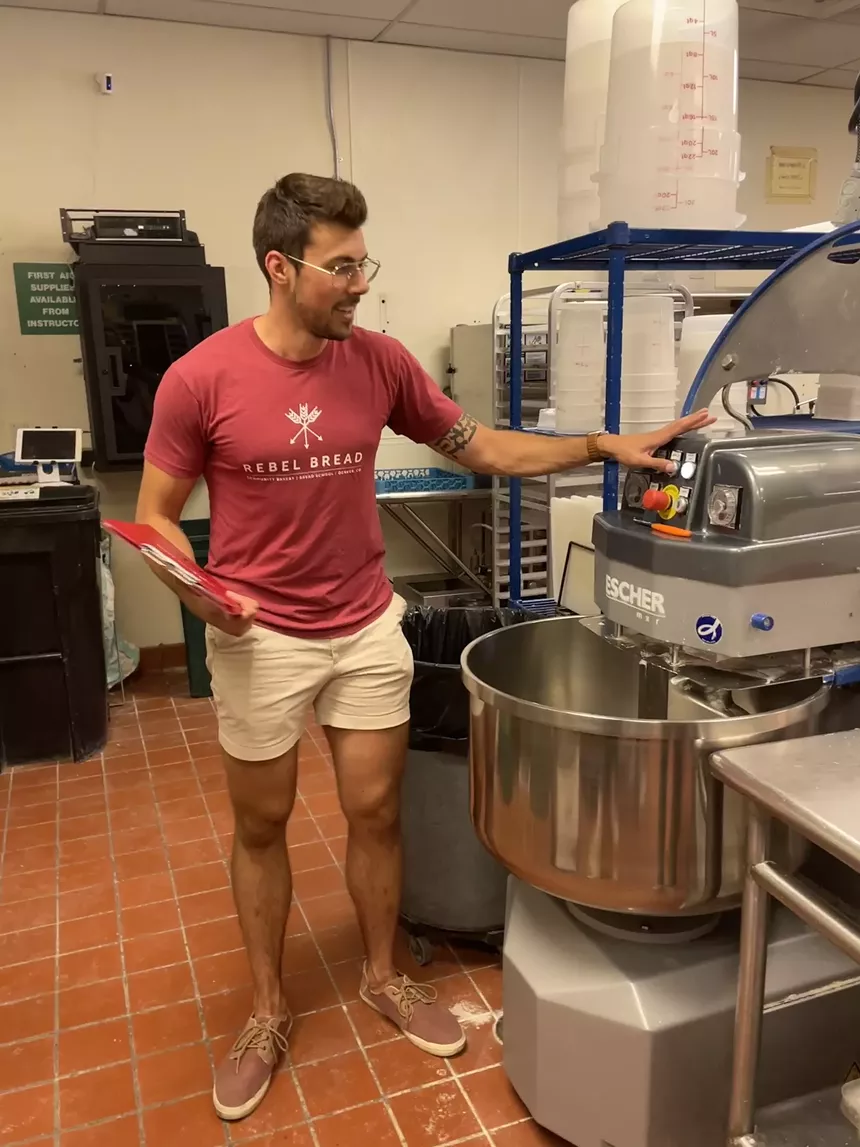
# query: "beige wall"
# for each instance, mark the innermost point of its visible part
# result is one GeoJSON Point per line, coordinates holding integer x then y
{"type": "Point", "coordinates": [455, 151]}
{"type": "Point", "coordinates": [202, 119]}
{"type": "Point", "coordinates": [785, 115]}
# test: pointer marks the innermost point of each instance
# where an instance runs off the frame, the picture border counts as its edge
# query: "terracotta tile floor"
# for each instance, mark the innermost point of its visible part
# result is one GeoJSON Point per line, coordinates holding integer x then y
{"type": "Point", "coordinates": [122, 977]}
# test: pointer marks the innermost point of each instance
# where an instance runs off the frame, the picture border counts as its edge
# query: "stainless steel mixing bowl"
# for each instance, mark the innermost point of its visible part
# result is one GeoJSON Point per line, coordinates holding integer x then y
{"type": "Point", "coordinates": [578, 795]}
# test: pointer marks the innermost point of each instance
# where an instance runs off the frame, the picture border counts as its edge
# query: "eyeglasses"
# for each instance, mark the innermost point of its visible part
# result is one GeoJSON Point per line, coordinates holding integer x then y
{"type": "Point", "coordinates": [345, 272]}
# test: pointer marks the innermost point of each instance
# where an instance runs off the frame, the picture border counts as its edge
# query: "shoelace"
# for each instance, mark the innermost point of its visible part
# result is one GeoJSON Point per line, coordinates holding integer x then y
{"type": "Point", "coordinates": [407, 994]}
{"type": "Point", "coordinates": [263, 1036]}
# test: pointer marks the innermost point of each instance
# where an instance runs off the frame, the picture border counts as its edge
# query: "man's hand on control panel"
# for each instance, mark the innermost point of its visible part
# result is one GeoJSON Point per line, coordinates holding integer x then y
{"type": "Point", "coordinates": [636, 451]}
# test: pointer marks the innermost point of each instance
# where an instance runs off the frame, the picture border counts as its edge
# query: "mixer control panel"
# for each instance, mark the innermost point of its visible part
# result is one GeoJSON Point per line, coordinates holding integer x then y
{"type": "Point", "coordinates": [666, 499]}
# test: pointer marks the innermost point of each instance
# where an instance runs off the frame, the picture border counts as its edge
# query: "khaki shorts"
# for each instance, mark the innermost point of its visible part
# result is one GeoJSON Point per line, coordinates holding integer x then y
{"type": "Point", "coordinates": [264, 683]}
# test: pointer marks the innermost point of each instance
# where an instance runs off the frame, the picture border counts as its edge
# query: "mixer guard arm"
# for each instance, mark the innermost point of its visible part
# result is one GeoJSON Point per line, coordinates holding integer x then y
{"type": "Point", "coordinates": [614, 325]}
{"type": "Point", "coordinates": [804, 319]}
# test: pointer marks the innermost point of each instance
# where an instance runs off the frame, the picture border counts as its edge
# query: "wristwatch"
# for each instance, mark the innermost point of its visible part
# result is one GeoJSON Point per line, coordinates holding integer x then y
{"type": "Point", "coordinates": [592, 446]}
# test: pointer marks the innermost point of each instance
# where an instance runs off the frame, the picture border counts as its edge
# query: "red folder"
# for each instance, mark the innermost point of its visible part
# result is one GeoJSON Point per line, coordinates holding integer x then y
{"type": "Point", "coordinates": [157, 548]}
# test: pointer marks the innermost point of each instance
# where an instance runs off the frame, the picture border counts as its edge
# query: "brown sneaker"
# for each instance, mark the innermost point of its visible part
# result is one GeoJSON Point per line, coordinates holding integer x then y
{"type": "Point", "coordinates": [242, 1080]}
{"type": "Point", "coordinates": [416, 1011]}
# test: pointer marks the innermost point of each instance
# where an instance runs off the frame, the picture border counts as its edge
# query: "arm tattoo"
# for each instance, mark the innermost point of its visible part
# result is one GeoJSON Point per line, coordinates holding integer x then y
{"type": "Point", "coordinates": [457, 438]}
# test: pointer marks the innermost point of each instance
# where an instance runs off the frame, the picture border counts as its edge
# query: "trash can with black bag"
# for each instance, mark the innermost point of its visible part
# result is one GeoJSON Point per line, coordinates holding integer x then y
{"type": "Point", "coordinates": [452, 887]}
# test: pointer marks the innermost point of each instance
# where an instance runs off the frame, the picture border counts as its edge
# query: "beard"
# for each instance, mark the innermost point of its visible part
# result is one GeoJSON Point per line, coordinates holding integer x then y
{"type": "Point", "coordinates": [335, 324]}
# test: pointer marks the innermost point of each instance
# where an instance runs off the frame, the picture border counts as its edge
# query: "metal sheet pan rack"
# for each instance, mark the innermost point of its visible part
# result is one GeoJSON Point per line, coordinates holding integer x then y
{"type": "Point", "coordinates": [615, 251]}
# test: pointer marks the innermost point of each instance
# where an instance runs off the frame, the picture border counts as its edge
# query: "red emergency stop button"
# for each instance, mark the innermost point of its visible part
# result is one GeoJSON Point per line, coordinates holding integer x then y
{"type": "Point", "coordinates": [656, 500]}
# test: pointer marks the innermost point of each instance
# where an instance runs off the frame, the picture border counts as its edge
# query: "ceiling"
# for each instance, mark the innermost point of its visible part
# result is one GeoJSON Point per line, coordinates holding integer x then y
{"type": "Point", "coordinates": [791, 41]}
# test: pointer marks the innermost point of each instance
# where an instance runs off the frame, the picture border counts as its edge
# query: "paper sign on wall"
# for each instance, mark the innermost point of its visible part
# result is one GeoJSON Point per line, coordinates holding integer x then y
{"type": "Point", "coordinates": [46, 299]}
{"type": "Point", "coordinates": [791, 174]}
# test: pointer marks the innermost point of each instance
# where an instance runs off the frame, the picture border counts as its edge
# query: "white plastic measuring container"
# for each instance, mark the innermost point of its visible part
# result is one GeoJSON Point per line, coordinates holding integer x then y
{"type": "Point", "coordinates": [698, 335]}
{"type": "Point", "coordinates": [671, 150]}
{"type": "Point", "coordinates": [571, 521]}
{"type": "Point", "coordinates": [573, 413]}
{"type": "Point", "coordinates": [642, 426]}
{"type": "Point", "coordinates": [838, 397]}
{"type": "Point", "coordinates": [586, 83]}
{"type": "Point", "coordinates": [648, 387]}
{"type": "Point", "coordinates": [579, 366]}
{"type": "Point", "coordinates": [660, 414]}
{"type": "Point", "coordinates": [581, 345]}
{"type": "Point", "coordinates": [648, 335]}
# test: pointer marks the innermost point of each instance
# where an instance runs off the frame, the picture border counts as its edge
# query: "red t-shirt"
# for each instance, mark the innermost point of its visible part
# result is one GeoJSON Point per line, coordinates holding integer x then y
{"type": "Point", "coordinates": [287, 450]}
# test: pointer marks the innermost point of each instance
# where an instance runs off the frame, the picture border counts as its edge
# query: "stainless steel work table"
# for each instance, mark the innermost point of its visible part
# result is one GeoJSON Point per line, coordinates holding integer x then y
{"type": "Point", "coordinates": [426, 537]}
{"type": "Point", "coordinates": [812, 785]}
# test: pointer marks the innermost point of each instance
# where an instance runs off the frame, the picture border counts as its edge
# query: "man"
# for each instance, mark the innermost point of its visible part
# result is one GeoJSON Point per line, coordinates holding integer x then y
{"type": "Point", "coordinates": [283, 415]}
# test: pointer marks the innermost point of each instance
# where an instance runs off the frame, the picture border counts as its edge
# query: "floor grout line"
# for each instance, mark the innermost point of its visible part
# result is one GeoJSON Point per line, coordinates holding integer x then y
{"type": "Point", "coordinates": [324, 839]}
{"type": "Point", "coordinates": [459, 1076]}
{"type": "Point", "coordinates": [135, 1080]}
{"type": "Point", "coordinates": [288, 1065]}
{"type": "Point", "coordinates": [6, 818]}
{"type": "Point", "coordinates": [387, 1105]}
{"type": "Point", "coordinates": [198, 999]}
{"type": "Point", "coordinates": [114, 1119]}
{"type": "Point", "coordinates": [56, 1048]}
{"type": "Point", "coordinates": [397, 1128]}
{"type": "Point", "coordinates": [491, 1011]}
{"type": "Point", "coordinates": [205, 995]}
{"type": "Point", "coordinates": [203, 1042]}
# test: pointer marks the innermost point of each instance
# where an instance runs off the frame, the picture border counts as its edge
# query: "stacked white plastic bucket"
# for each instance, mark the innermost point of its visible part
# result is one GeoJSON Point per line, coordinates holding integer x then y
{"type": "Point", "coordinates": [579, 367]}
{"type": "Point", "coordinates": [649, 378]}
{"type": "Point", "coordinates": [671, 149]}
{"type": "Point", "coordinates": [698, 335]}
{"type": "Point", "coordinates": [838, 397]}
{"type": "Point", "coordinates": [586, 81]}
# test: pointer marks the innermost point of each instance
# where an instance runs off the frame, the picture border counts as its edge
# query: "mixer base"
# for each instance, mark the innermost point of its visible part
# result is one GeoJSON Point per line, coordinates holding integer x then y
{"type": "Point", "coordinates": [645, 929]}
{"type": "Point", "coordinates": [619, 1044]}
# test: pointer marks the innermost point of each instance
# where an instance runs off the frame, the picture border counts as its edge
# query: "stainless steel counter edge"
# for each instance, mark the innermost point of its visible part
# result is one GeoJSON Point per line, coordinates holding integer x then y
{"type": "Point", "coordinates": [798, 814]}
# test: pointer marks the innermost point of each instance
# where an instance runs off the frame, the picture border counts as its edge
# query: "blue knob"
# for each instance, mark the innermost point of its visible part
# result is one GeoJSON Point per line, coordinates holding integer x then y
{"type": "Point", "coordinates": [761, 621]}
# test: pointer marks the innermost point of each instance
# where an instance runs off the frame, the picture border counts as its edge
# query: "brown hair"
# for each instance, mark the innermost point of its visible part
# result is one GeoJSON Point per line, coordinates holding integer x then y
{"type": "Point", "coordinates": [288, 211]}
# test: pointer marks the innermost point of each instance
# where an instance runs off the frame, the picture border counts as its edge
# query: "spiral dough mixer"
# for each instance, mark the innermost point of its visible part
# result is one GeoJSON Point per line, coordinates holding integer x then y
{"type": "Point", "coordinates": [730, 596]}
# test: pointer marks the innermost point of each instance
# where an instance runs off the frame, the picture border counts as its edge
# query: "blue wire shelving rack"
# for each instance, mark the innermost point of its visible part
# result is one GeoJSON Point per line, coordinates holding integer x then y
{"type": "Point", "coordinates": [616, 250]}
